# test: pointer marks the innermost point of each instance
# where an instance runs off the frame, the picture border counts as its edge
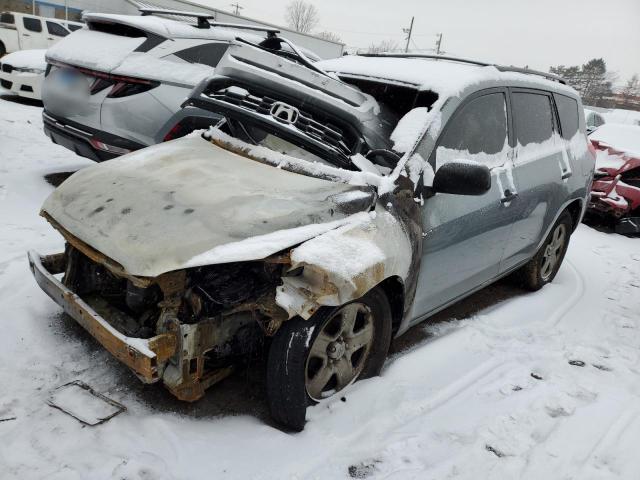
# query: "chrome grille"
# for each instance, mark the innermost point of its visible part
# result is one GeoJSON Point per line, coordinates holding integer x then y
{"type": "Point", "coordinates": [306, 123]}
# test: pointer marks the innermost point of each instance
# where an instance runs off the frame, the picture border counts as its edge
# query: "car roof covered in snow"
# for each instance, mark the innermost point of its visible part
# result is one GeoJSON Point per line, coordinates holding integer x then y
{"type": "Point", "coordinates": [444, 76]}
{"type": "Point", "coordinates": [168, 28]}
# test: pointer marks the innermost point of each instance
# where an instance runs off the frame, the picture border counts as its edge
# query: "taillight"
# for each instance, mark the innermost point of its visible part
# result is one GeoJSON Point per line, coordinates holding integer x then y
{"type": "Point", "coordinates": [591, 147]}
{"type": "Point", "coordinates": [124, 89]}
{"type": "Point", "coordinates": [97, 144]}
{"type": "Point", "coordinates": [120, 86]}
{"type": "Point", "coordinates": [175, 132]}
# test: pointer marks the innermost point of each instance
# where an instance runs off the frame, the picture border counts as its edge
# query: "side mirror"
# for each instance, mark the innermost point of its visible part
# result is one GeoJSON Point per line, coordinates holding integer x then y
{"type": "Point", "coordinates": [462, 177]}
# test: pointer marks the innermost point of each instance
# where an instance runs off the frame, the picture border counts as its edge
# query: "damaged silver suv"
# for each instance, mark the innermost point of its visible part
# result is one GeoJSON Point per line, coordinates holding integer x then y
{"type": "Point", "coordinates": [331, 209]}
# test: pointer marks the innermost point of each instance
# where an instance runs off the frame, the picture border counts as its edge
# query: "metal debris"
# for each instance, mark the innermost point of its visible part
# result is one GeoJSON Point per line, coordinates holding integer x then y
{"type": "Point", "coordinates": [80, 401]}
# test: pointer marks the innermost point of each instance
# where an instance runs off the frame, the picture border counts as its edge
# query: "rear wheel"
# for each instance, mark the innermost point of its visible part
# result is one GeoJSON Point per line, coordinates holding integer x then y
{"type": "Point", "coordinates": [544, 266]}
{"type": "Point", "coordinates": [3, 50]}
{"type": "Point", "coordinates": [310, 360]}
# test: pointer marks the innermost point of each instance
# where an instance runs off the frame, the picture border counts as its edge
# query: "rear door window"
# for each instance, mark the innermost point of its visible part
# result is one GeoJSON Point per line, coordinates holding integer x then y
{"type": "Point", "coordinates": [533, 117]}
{"type": "Point", "coordinates": [477, 131]}
{"type": "Point", "coordinates": [57, 29]}
{"type": "Point", "coordinates": [568, 113]}
{"type": "Point", "coordinates": [7, 18]}
{"type": "Point", "coordinates": [207, 54]}
{"type": "Point", "coordinates": [73, 27]}
{"type": "Point", "coordinates": [32, 24]}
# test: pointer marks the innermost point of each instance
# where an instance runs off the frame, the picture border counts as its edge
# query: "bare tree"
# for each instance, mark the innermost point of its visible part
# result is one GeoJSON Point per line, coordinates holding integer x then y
{"type": "Point", "coordinates": [329, 36]}
{"type": "Point", "coordinates": [383, 46]}
{"type": "Point", "coordinates": [630, 91]}
{"type": "Point", "coordinates": [302, 16]}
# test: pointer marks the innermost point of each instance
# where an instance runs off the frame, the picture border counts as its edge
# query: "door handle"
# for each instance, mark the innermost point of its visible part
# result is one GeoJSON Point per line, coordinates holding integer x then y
{"type": "Point", "coordinates": [508, 196]}
{"type": "Point", "coordinates": [26, 35]}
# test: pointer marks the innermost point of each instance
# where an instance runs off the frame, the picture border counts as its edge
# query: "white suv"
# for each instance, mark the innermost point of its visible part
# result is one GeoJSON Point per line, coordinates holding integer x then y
{"type": "Point", "coordinates": [19, 31]}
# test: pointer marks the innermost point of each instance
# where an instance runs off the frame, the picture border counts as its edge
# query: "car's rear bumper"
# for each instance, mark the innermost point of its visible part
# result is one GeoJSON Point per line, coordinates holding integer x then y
{"type": "Point", "coordinates": [141, 355]}
{"type": "Point", "coordinates": [79, 139]}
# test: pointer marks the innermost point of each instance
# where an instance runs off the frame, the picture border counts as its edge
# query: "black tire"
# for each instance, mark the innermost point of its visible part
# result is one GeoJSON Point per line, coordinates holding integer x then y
{"type": "Point", "coordinates": [533, 276]}
{"type": "Point", "coordinates": [289, 355]}
{"type": "Point", "coordinates": [3, 50]}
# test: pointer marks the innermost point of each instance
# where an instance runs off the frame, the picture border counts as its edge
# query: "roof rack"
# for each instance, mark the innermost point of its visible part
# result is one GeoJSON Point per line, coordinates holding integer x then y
{"type": "Point", "coordinates": [203, 20]}
{"type": "Point", "coordinates": [502, 68]}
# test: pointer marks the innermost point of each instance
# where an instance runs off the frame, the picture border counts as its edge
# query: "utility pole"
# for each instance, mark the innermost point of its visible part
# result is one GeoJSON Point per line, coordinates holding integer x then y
{"type": "Point", "coordinates": [408, 32]}
{"type": "Point", "coordinates": [237, 7]}
{"type": "Point", "coordinates": [66, 10]}
{"type": "Point", "coordinates": [438, 43]}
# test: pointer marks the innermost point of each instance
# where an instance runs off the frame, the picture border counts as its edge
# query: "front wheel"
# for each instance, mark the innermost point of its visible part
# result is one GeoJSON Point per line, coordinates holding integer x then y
{"type": "Point", "coordinates": [310, 360]}
{"type": "Point", "coordinates": [544, 266]}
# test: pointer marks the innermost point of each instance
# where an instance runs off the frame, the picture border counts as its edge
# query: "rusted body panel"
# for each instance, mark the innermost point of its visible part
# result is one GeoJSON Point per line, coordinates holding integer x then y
{"type": "Point", "coordinates": [143, 356]}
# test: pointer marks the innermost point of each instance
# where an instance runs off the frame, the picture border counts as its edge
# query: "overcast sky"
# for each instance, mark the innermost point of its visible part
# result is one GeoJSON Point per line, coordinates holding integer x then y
{"type": "Point", "coordinates": [537, 33]}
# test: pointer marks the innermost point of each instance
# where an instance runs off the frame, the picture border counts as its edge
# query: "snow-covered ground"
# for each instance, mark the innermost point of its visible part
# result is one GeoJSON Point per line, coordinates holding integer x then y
{"type": "Point", "coordinates": [539, 386]}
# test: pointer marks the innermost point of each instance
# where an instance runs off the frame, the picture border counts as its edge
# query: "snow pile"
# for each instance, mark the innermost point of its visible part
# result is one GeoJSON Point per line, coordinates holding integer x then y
{"type": "Point", "coordinates": [624, 138]}
{"type": "Point", "coordinates": [33, 59]}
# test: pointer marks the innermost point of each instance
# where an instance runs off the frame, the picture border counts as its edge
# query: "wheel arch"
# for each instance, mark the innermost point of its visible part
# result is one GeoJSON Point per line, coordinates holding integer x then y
{"type": "Point", "coordinates": [393, 288]}
{"type": "Point", "coordinates": [575, 209]}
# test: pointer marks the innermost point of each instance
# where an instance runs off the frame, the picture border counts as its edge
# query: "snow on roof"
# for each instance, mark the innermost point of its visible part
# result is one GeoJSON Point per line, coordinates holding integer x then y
{"type": "Point", "coordinates": [26, 59]}
{"type": "Point", "coordinates": [625, 138]}
{"type": "Point", "coordinates": [170, 28]}
{"type": "Point", "coordinates": [445, 77]}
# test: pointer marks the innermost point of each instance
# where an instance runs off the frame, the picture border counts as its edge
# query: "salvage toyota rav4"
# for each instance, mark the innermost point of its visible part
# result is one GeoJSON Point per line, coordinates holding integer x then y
{"type": "Point", "coordinates": [332, 208]}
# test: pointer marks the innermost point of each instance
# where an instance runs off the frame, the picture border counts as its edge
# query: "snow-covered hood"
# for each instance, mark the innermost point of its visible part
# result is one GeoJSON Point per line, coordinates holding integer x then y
{"type": "Point", "coordinates": [33, 59]}
{"type": "Point", "coordinates": [188, 203]}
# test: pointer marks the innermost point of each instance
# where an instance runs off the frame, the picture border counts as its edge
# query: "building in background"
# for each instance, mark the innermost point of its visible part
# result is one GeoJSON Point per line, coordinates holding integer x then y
{"type": "Point", "coordinates": [72, 10]}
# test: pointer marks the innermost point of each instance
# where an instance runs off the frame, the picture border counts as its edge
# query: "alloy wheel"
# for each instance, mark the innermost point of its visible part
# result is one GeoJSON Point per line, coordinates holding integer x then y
{"type": "Point", "coordinates": [339, 351]}
{"type": "Point", "coordinates": [553, 251]}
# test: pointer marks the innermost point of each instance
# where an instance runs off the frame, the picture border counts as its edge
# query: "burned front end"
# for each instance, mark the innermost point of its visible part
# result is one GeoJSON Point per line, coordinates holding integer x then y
{"type": "Point", "coordinates": [187, 328]}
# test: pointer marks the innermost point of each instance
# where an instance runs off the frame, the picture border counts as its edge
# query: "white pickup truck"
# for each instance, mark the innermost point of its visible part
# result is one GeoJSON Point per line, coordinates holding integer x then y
{"type": "Point", "coordinates": [19, 31]}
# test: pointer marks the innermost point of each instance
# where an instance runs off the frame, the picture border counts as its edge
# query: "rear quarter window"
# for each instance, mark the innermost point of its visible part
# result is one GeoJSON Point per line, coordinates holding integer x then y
{"type": "Point", "coordinates": [207, 54]}
{"type": "Point", "coordinates": [73, 28]}
{"type": "Point", "coordinates": [533, 117]}
{"type": "Point", "coordinates": [568, 113]}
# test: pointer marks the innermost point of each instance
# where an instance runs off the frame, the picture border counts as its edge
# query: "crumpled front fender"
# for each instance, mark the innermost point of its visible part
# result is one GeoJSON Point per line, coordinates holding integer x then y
{"type": "Point", "coordinates": [344, 264]}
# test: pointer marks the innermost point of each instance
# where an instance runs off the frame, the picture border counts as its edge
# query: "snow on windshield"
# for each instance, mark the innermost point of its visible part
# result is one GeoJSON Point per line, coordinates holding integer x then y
{"type": "Point", "coordinates": [409, 128]}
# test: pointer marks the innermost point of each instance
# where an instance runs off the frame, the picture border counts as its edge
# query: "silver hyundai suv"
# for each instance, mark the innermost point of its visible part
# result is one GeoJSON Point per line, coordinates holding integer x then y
{"type": "Point", "coordinates": [111, 88]}
{"type": "Point", "coordinates": [329, 211]}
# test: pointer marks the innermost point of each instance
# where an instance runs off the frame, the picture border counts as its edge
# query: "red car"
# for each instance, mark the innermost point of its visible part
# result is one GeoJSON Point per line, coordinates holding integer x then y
{"type": "Point", "coordinates": [615, 194]}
